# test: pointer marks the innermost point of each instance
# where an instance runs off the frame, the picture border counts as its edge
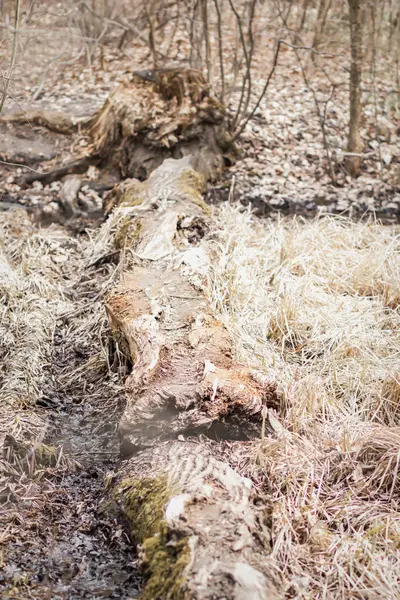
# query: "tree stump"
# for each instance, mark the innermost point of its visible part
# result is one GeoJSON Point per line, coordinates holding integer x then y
{"type": "Point", "coordinates": [191, 513]}
{"type": "Point", "coordinates": [165, 113]}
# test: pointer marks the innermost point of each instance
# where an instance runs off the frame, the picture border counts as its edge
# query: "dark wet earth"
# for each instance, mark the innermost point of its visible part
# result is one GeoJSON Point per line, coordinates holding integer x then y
{"type": "Point", "coordinates": [60, 542]}
{"type": "Point", "coordinates": [74, 553]}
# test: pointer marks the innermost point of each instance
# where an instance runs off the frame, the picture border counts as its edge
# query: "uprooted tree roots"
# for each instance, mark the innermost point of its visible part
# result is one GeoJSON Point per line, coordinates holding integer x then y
{"type": "Point", "coordinates": [161, 114]}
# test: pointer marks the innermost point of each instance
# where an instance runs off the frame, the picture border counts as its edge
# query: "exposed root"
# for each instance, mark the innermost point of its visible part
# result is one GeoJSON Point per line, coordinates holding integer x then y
{"type": "Point", "coordinates": [141, 125]}
{"type": "Point", "coordinates": [54, 121]}
{"type": "Point", "coordinates": [73, 167]}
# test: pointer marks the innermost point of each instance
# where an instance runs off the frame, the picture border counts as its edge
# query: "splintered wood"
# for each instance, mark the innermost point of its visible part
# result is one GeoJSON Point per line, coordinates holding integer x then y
{"type": "Point", "coordinates": [184, 382]}
{"type": "Point", "coordinates": [169, 113]}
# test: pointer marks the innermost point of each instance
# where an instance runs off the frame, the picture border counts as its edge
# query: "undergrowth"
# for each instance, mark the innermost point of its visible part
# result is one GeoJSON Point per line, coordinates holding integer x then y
{"type": "Point", "coordinates": [315, 306]}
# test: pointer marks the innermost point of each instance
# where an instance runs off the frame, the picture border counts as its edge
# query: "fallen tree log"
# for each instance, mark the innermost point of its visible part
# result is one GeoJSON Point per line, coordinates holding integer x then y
{"type": "Point", "coordinates": [159, 114]}
{"type": "Point", "coordinates": [191, 513]}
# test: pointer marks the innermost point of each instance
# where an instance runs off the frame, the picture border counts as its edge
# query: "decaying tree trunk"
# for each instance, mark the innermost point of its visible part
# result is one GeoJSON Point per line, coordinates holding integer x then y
{"type": "Point", "coordinates": [191, 513]}
{"type": "Point", "coordinates": [355, 143]}
{"type": "Point", "coordinates": [162, 113]}
{"type": "Point", "coordinates": [167, 113]}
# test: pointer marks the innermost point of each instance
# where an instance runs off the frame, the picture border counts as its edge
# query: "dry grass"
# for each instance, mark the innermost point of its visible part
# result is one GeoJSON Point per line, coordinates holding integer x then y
{"type": "Point", "coordinates": [315, 306]}
{"type": "Point", "coordinates": [40, 283]}
{"type": "Point", "coordinates": [31, 297]}
{"type": "Point", "coordinates": [33, 269]}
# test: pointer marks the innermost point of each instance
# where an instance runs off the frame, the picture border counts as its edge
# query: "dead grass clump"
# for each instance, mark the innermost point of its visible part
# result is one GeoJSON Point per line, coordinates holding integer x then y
{"type": "Point", "coordinates": [315, 305]}
{"type": "Point", "coordinates": [389, 403]}
{"type": "Point", "coordinates": [33, 268]}
{"type": "Point", "coordinates": [379, 457]}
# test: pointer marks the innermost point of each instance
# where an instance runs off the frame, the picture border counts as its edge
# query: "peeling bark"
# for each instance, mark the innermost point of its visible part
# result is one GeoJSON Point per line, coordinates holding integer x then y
{"type": "Point", "coordinates": [181, 503]}
{"type": "Point", "coordinates": [184, 377]}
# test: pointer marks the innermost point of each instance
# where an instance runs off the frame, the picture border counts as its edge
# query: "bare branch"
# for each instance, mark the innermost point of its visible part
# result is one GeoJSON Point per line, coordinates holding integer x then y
{"type": "Point", "coordinates": [13, 56]}
{"type": "Point", "coordinates": [261, 96]}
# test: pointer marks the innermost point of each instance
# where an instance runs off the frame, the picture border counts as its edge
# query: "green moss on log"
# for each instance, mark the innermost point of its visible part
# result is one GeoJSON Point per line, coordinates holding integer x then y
{"type": "Point", "coordinates": [164, 555]}
{"type": "Point", "coordinates": [164, 563]}
{"type": "Point", "coordinates": [134, 194]}
{"type": "Point", "coordinates": [46, 456]}
{"type": "Point", "coordinates": [191, 186]}
{"type": "Point", "coordinates": [191, 181]}
{"type": "Point", "coordinates": [128, 233]}
{"type": "Point", "coordinates": [143, 501]}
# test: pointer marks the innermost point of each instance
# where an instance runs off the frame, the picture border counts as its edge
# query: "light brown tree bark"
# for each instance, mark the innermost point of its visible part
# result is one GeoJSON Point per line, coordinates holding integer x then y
{"type": "Point", "coordinates": [355, 145]}
{"type": "Point", "coordinates": [190, 511]}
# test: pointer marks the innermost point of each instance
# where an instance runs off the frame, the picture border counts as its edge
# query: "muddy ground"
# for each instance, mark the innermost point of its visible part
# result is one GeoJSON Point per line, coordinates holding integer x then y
{"type": "Point", "coordinates": [55, 540]}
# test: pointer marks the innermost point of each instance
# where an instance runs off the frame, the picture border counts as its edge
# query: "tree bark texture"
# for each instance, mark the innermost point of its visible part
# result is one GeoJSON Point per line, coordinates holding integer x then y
{"type": "Point", "coordinates": [190, 511]}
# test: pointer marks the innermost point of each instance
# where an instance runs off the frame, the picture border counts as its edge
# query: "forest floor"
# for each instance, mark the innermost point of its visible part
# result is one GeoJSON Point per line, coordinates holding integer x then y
{"type": "Point", "coordinates": [313, 302]}
{"type": "Point", "coordinates": [60, 405]}
{"type": "Point", "coordinates": [283, 166]}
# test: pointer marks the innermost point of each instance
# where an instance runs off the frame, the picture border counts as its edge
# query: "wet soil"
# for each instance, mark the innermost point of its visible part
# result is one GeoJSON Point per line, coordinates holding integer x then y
{"type": "Point", "coordinates": [58, 543]}
{"type": "Point", "coordinates": [383, 204]}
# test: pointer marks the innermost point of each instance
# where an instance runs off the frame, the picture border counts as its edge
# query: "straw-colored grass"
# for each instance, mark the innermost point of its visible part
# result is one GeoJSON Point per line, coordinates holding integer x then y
{"type": "Point", "coordinates": [315, 306]}
{"type": "Point", "coordinates": [30, 298]}
{"type": "Point", "coordinates": [40, 275]}
{"type": "Point", "coordinates": [311, 305]}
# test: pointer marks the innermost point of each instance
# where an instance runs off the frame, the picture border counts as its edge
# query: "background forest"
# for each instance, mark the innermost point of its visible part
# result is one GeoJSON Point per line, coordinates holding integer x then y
{"type": "Point", "coordinates": [312, 87]}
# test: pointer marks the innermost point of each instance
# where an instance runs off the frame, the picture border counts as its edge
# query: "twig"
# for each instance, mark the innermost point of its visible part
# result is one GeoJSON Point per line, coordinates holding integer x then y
{"type": "Point", "coordinates": [271, 73]}
{"type": "Point", "coordinates": [360, 154]}
{"type": "Point", "coordinates": [13, 56]}
{"type": "Point", "coordinates": [46, 69]}
{"type": "Point", "coordinates": [247, 76]}
{"type": "Point", "coordinates": [251, 51]}
{"type": "Point", "coordinates": [321, 117]}
{"type": "Point", "coordinates": [11, 164]}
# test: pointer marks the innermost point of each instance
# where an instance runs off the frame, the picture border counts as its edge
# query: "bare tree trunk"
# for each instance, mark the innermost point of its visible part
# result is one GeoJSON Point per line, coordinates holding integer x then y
{"type": "Point", "coordinates": [7, 79]}
{"type": "Point", "coordinates": [204, 12]}
{"type": "Point", "coordinates": [152, 38]}
{"type": "Point", "coordinates": [196, 36]}
{"type": "Point", "coordinates": [306, 5]}
{"type": "Point", "coordinates": [220, 49]}
{"type": "Point", "coordinates": [354, 143]}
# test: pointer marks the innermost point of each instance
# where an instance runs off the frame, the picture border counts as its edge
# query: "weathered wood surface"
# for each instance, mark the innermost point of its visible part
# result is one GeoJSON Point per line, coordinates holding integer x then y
{"type": "Point", "coordinates": [192, 514]}
{"type": "Point", "coordinates": [141, 124]}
